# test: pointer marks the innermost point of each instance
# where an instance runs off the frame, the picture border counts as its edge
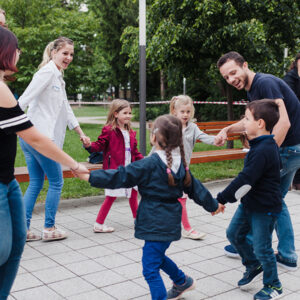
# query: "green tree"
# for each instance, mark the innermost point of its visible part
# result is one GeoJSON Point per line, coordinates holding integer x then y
{"type": "Point", "coordinates": [185, 39]}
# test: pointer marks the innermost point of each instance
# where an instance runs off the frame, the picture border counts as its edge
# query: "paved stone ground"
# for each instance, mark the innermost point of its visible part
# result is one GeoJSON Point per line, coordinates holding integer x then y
{"type": "Point", "coordinates": [108, 266]}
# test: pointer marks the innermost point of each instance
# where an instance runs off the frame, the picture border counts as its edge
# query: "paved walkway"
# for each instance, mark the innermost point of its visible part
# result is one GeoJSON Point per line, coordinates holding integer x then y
{"type": "Point", "coordinates": [108, 266]}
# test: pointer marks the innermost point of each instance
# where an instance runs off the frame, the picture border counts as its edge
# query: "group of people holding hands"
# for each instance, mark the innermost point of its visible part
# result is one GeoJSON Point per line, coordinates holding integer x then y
{"type": "Point", "coordinates": [163, 179]}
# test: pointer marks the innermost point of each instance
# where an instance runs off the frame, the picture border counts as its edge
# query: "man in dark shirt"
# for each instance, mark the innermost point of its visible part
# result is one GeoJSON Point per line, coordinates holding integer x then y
{"type": "Point", "coordinates": [235, 71]}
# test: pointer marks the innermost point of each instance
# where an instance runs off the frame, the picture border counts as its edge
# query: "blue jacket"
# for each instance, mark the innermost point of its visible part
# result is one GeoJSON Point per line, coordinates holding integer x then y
{"type": "Point", "coordinates": [258, 184]}
{"type": "Point", "coordinates": [159, 213]}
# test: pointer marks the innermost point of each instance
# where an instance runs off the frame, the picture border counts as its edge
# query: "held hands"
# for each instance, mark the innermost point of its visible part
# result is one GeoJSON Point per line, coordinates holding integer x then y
{"type": "Point", "coordinates": [81, 172]}
{"type": "Point", "coordinates": [220, 138]}
{"type": "Point", "coordinates": [221, 209]}
{"type": "Point", "coordinates": [86, 141]}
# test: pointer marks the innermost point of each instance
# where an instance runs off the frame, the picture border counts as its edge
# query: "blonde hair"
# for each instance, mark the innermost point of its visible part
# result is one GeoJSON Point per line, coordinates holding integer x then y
{"type": "Point", "coordinates": [176, 101]}
{"type": "Point", "coordinates": [116, 106]}
{"type": "Point", "coordinates": [54, 45]}
{"type": "Point", "coordinates": [168, 134]}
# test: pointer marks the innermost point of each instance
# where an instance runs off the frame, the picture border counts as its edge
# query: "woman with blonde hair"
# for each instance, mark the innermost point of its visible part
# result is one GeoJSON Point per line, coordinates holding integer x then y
{"type": "Point", "coordinates": [49, 110]}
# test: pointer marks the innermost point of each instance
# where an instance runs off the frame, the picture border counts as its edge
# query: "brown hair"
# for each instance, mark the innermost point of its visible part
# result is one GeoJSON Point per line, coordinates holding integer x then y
{"type": "Point", "coordinates": [54, 45]}
{"type": "Point", "coordinates": [265, 109]}
{"type": "Point", "coordinates": [168, 133]}
{"type": "Point", "coordinates": [176, 101]}
{"type": "Point", "coordinates": [232, 55]}
{"type": "Point", "coordinates": [116, 106]}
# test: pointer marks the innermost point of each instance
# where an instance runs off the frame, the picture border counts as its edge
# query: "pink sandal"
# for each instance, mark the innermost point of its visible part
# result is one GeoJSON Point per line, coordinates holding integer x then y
{"type": "Point", "coordinates": [102, 228]}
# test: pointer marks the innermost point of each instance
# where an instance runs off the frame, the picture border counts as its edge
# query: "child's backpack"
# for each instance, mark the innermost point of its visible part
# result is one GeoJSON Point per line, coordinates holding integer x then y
{"type": "Point", "coordinates": [96, 158]}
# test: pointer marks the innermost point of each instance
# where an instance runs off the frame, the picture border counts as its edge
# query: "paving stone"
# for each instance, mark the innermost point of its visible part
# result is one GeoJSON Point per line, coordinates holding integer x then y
{"type": "Point", "coordinates": [70, 287]}
{"type": "Point", "coordinates": [113, 261]}
{"type": "Point", "coordinates": [38, 293]}
{"type": "Point", "coordinates": [85, 267]}
{"type": "Point", "coordinates": [104, 278]}
{"type": "Point", "coordinates": [25, 281]}
{"type": "Point", "coordinates": [93, 295]}
{"type": "Point", "coordinates": [38, 264]}
{"type": "Point", "coordinates": [53, 274]}
{"type": "Point", "coordinates": [125, 290]}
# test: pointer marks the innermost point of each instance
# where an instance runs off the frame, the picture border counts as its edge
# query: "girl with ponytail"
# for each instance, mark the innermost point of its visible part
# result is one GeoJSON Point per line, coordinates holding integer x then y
{"type": "Point", "coordinates": [161, 179]}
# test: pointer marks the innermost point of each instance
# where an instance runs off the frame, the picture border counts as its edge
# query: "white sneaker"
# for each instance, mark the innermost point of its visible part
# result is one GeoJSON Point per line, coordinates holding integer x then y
{"type": "Point", "coordinates": [102, 228]}
{"type": "Point", "coordinates": [193, 234]}
{"type": "Point", "coordinates": [52, 235]}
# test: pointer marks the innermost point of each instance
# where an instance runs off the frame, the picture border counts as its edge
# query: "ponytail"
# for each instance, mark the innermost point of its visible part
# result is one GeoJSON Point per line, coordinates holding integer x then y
{"type": "Point", "coordinates": [187, 179]}
{"type": "Point", "coordinates": [47, 54]}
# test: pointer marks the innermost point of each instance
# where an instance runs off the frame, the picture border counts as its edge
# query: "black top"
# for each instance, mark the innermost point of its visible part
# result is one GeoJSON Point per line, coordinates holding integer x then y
{"type": "Point", "coordinates": [293, 80]}
{"type": "Point", "coordinates": [271, 87]}
{"type": "Point", "coordinates": [258, 184]}
{"type": "Point", "coordinates": [12, 120]}
{"type": "Point", "coordinates": [159, 213]}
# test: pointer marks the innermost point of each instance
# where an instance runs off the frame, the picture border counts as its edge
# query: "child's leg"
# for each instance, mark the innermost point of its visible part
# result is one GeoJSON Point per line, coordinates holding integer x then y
{"type": "Point", "coordinates": [237, 231]}
{"type": "Point", "coordinates": [153, 258]}
{"type": "Point", "coordinates": [188, 232]}
{"type": "Point", "coordinates": [104, 209]}
{"type": "Point", "coordinates": [184, 218]}
{"type": "Point", "coordinates": [133, 202]}
{"type": "Point", "coordinates": [262, 229]}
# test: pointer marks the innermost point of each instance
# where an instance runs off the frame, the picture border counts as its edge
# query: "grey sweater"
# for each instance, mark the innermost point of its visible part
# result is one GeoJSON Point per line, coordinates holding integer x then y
{"type": "Point", "coordinates": [190, 135]}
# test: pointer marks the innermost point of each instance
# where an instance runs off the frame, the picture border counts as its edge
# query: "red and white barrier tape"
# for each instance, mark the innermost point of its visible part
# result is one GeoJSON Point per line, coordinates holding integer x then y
{"type": "Point", "coordinates": [241, 102]}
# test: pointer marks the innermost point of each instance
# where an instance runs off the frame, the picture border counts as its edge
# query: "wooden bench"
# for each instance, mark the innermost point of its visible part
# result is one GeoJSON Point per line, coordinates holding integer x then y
{"type": "Point", "coordinates": [21, 173]}
{"type": "Point", "coordinates": [213, 128]}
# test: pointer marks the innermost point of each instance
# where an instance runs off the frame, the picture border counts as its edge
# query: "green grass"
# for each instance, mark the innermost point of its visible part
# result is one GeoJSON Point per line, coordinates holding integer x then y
{"type": "Point", "coordinates": [75, 188]}
{"type": "Point", "coordinates": [90, 111]}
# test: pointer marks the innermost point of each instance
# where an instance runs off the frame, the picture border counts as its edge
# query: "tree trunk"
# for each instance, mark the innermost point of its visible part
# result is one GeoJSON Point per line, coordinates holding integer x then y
{"type": "Point", "coordinates": [162, 85]}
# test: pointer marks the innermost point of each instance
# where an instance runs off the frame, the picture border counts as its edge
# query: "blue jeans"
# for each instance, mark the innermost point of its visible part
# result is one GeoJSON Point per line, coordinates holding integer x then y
{"type": "Point", "coordinates": [38, 166]}
{"type": "Point", "coordinates": [12, 234]}
{"type": "Point", "coordinates": [153, 260]}
{"type": "Point", "coordinates": [290, 158]}
{"type": "Point", "coordinates": [262, 226]}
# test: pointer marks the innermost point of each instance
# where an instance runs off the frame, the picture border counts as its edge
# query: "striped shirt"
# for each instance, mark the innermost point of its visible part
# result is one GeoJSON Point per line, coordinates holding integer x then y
{"type": "Point", "coordinates": [12, 120]}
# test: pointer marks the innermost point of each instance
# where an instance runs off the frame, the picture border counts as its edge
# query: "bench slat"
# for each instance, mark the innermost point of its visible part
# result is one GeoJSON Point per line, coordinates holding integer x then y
{"type": "Point", "coordinates": [21, 173]}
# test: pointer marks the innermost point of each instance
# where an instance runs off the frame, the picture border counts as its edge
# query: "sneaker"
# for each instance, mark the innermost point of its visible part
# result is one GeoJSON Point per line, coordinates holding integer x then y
{"type": "Point", "coordinates": [249, 275]}
{"type": "Point", "coordinates": [177, 290]}
{"type": "Point", "coordinates": [269, 292]}
{"type": "Point", "coordinates": [230, 251]}
{"type": "Point", "coordinates": [53, 235]}
{"type": "Point", "coordinates": [193, 234]}
{"type": "Point", "coordinates": [291, 266]}
{"type": "Point", "coordinates": [102, 228]}
{"type": "Point", "coordinates": [31, 236]}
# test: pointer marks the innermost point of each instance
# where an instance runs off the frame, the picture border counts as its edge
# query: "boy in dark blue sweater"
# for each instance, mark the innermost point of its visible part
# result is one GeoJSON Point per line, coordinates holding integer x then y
{"type": "Point", "coordinates": [258, 187]}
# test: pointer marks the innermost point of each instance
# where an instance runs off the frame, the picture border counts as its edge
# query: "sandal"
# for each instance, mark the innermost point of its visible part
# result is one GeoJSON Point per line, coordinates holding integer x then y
{"type": "Point", "coordinates": [102, 228]}
{"type": "Point", "coordinates": [193, 234]}
{"type": "Point", "coordinates": [53, 235]}
{"type": "Point", "coordinates": [31, 236]}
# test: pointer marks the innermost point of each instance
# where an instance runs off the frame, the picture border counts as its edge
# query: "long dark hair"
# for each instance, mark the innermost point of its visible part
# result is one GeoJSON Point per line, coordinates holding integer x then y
{"type": "Point", "coordinates": [168, 133]}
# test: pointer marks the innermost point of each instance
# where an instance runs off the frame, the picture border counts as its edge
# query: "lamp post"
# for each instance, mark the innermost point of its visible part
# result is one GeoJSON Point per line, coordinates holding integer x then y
{"type": "Point", "coordinates": [142, 71]}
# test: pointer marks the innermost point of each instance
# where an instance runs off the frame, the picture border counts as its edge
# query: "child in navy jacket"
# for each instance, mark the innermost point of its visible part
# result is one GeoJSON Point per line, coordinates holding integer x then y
{"type": "Point", "coordinates": [161, 179]}
{"type": "Point", "coordinates": [258, 187]}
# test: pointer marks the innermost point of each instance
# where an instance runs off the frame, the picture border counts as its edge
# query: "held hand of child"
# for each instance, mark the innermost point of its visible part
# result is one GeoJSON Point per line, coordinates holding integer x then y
{"type": "Point", "coordinates": [86, 141]}
{"type": "Point", "coordinates": [218, 141]}
{"type": "Point", "coordinates": [81, 172]}
{"type": "Point", "coordinates": [220, 138]}
{"type": "Point", "coordinates": [221, 208]}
